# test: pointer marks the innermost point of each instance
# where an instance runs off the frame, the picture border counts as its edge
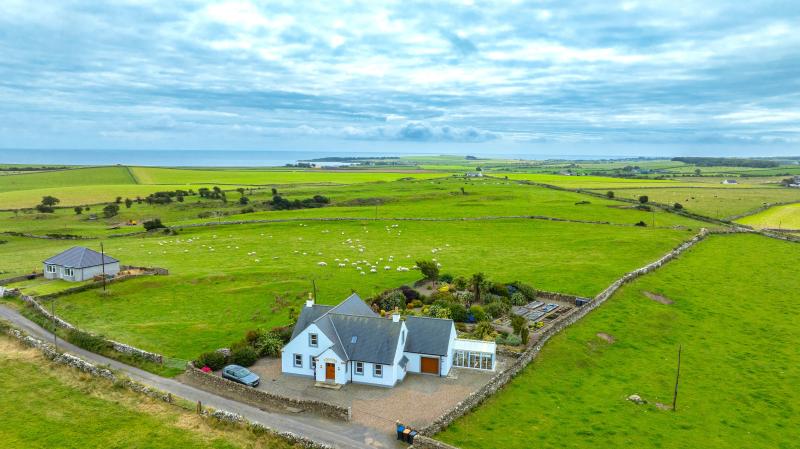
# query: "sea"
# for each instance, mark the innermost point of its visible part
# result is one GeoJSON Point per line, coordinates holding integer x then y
{"type": "Point", "coordinates": [221, 158]}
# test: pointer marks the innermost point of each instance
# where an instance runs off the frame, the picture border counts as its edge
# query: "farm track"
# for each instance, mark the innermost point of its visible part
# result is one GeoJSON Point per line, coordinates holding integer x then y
{"type": "Point", "coordinates": [324, 431]}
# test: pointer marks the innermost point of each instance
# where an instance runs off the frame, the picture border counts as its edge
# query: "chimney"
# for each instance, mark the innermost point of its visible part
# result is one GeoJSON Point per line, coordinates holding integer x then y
{"type": "Point", "coordinates": [310, 300]}
{"type": "Point", "coordinates": [396, 316]}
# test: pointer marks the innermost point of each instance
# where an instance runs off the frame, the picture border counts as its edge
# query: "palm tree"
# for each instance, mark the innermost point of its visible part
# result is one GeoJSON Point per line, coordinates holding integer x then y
{"type": "Point", "coordinates": [476, 281]}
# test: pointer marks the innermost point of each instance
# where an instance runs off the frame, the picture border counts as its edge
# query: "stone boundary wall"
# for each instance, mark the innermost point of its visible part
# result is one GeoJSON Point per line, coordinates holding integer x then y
{"type": "Point", "coordinates": [423, 442]}
{"type": "Point", "coordinates": [115, 345]}
{"type": "Point", "coordinates": [428, 219]}
{"type": "Point", "coordinates": [20, 278]}
{"type": "Point", "coordinates": [48, 236]}
{"type": "Point", "coordinates": [556, 296]}
{"type": "Point", "coordinates": [147, 271]}
{"type": "Point", "coordinates": [259, 398]}
{"type": "Point", "coordinates": [502, 378]}
{"type": "Point", "coordinates": [50, 353]}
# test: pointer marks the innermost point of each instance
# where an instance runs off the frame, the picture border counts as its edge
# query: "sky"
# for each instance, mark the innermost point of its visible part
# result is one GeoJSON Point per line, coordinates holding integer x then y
{"type": "Point", "coordinates": [562, 77]}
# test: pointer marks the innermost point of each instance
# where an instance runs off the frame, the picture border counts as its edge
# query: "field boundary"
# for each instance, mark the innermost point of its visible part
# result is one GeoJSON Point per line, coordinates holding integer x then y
{"type": "Point", "coordinates": [527, 356]}
{"type": "Point", "coordinates": [761, 209]}
{"type": "Point", "coordinates": [62, 358]}
{"type": "Point", "coordinates": [122, 348]}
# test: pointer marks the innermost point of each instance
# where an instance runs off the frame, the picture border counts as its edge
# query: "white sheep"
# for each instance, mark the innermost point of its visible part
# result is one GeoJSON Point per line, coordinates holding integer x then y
{"type": "Point", "coordinates": [387, 267]}
{"type": "Point", "coordinates": [322, 264]}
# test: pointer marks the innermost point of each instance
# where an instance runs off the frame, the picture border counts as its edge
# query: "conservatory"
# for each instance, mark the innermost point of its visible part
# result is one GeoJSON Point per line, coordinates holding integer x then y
{"type": "Point", "coordinates": [474, 354]}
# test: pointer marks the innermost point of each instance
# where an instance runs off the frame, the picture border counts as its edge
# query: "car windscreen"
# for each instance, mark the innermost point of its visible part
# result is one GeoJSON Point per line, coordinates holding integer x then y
{"type": "Point", "coordinates": [240, 372]}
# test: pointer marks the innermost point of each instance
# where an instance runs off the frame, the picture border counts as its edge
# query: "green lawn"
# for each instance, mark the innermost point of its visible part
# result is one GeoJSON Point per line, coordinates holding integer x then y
{"type": "Point", "coordinates": [212, 296]}
{"type": "Point", "coordinates": [783, 217]}
{"type": "Point", "coordinates": [735, 315]}
{"type": "Point", "coordinates": [45, 407]}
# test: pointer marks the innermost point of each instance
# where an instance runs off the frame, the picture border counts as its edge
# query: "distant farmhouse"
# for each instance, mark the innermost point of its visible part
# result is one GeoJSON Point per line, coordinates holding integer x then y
{"type": "Point", "coordinates": [474, 174]}
{"type": "Point", "coordinates": [795, 182]}
{"type": "Point", "coordinates": [79, 264]}
{"type": "Point", "coordinates": [351, 343]}
{"type": "Point", "coordinates": [730, 181]}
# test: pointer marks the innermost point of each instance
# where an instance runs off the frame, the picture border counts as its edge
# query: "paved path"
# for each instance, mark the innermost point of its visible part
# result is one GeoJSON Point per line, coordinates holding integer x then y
{"type": "Point", "coordinates": [337, 434]}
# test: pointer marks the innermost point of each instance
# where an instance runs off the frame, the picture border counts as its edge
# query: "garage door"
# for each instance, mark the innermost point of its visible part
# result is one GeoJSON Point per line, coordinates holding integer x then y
{"type": "Point", "coordinates": [430, 365]}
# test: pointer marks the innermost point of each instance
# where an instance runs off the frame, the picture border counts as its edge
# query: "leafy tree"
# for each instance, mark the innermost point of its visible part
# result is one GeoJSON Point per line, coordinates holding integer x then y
{"type": "Point", "coordinates": [78, 210]}
{"type": "Point", "coordinates": [677, 206]}
{"type": "Point", "coordinates": [153, 224]}
{"type": "Point", "coordinates": [244, 200]}
{"type": "Point", "coordinates": [610, 194]}
{"type": "Point", "coordinates": [274, 191]}
{"type": "Point", "coordinates": [240, 190]}
{"type": "Point", "coordinates": [128, 203]}
{"type": "Point", "coordinates": [214, 360]}
{"type": "Point", "coordinates": [644, 199]}
{"type": "Point", "coordinates": [179, 198]}
{"type": "Point", "coordinates": [697, 171]}
{"type": "Point", "coordinates": [118, 200]}
{"type": "Point", "coordinates": [45, 209]}
{"type": "Point", "coordinates": [50, 200]}
{"type": "Point", "coordinates": [110, 210]}
{"type": "Point", "coordinates": [429, 269]}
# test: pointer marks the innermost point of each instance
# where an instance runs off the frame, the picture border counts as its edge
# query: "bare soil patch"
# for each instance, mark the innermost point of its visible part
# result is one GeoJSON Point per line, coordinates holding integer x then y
{"type": "Point", "coordinates": [607, 337]}
{"type": "Point", "coordinates": [659, 298]}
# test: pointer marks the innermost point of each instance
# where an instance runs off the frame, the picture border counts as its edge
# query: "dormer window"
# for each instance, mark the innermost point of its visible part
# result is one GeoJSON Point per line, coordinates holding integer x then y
{"type": "Point", "coordinates": [313, 340]}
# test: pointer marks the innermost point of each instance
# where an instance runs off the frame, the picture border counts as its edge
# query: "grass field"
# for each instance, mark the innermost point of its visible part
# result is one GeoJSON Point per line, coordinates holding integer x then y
{"type": "Point", "coordinates": [66, 178]}
{"type": "Point", "coordinates": [715, 202]}
{"type": "Point", "coordinates": [151, 175]}
{"type": "Point", "coordinates": [54, 407]}
{"type": "Point", "coordinates": [216, 290]}
{"type": "Point", "coordinates": [778, 217]}
{"type": "Point", "coordinates": [733, 313]}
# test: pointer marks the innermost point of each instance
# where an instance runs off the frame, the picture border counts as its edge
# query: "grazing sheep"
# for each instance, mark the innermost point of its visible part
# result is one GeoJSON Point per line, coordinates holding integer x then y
{"type": "Point", "coordinates": [387, 267]}
{"type": "Point", "coordinates": [322, 264]}
{"type": "Point", "coordinates": [373, 270]}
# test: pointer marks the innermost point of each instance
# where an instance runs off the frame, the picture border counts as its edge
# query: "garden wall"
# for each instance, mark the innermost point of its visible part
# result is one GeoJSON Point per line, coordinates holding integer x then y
{"type": "Point", "coordinates": [146, 271]}
{"type": "Point", "coordinates": [259, 398]}
{"type": "Point", "coordinates": [117, 346]}
{"type": "Point", "coordinates": [503, 377]}
{"type": "Point", "coordinates": [20, 278]}
{"type": "Point", "coordinates": [555, 296]}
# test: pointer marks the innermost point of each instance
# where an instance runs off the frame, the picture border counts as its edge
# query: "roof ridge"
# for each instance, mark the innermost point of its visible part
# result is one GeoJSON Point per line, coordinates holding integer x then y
{"type": "Point", "coordinates": [336, 331]}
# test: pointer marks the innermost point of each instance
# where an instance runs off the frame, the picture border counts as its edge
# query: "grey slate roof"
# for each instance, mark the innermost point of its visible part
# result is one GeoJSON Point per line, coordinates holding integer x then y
{"type": "Point", "coordinates": [79, 257]}
{"type": "Point", "coordinates": [359, 334]}
{"type": "Point", "coordinates": [376, 338]}
{"type": "Point", "coordinates": [428, 335]}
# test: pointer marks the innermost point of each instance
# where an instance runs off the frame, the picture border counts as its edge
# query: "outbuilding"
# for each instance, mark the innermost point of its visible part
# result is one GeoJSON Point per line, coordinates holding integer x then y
{"type": "Point", "coordinates": [79, 264]}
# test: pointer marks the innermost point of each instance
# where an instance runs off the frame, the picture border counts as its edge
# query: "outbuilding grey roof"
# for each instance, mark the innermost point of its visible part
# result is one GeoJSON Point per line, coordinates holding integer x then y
{"type": "Point", "coordinates": [428, 335]}
{"type": "Point", "coordinates": [80, 257]}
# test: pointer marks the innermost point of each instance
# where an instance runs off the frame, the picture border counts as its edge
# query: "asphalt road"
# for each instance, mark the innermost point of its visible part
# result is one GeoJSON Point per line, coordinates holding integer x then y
{"type": "Point", "coordinates": [334, 433]}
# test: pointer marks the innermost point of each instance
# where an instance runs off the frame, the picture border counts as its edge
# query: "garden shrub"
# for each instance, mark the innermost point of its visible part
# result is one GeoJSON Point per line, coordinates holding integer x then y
{"type": "Point", "coordinates": [495, 309]}
{"type": "Point", "coordinates": [153, 224]}
{"type": "Point", "coordinates": [392, 300]}
{"type": "Point", "coordinates": [87, 341]}
{"type": "Point", "coordinates": [214, 360]}
{"type": "Point", "coordinates": [465, 297]}
{"type": "Point", "coordinates": [499, 289]}
{"type": "Point", "coordinates": [478, 313]}
{"type": "Point", "coordinates": [457, 312]}
{"type": "Point", "coordinates": [518, 299]}
{"type": "Point", "coordinates": [511, 340]}
{"type": "Point", "coordinates": [529, 292]}
{"type": "Point", "coordinates": [442, 296]}
{"type": "Point", "coordinates": [283, 332]}
{"type": "Point", "coordinates": [483, 330]}
{"type": "Point", "coordinates": [447, 277]}
{"type": "Point", "coordinates": [460, 283]}
{"type": "Point", "coordinates": [269, 344]}
{"type": "Point", "coordinates": [439, 311]}
{"type": "Point", "coordinates": [409, 293]}
{"type": "Point", "coordinates": [524, 334]}
{"type": "Point", "coordinates": [517, 323]}
{"type": "Point", "coordinates": [244, 356]}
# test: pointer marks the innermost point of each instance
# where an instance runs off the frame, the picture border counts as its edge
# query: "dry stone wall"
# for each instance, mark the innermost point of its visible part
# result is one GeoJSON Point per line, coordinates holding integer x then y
{"type": "Point", "coordinates": [503, 377]}
{"type": "Point", "coordinates": [261, 398]}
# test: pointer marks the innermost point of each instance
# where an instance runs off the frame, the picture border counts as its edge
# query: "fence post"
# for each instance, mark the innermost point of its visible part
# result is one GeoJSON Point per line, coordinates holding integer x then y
{"type": "Point", "coordinates": [199, 408]}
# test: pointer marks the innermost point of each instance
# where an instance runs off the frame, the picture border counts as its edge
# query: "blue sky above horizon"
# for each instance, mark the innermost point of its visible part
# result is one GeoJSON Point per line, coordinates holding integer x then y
{"type": "Point", "coordinates": [628, 77]}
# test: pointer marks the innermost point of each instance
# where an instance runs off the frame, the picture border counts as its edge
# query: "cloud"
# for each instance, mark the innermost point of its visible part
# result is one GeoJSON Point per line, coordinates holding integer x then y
{"type": "Point", "coordinates": [420, 74]}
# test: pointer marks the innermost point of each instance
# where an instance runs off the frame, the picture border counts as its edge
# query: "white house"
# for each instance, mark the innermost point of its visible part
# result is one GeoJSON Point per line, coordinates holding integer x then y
{"type": "Point", "coordinates": [730, 181]}
{"type": "Point", "coordinates": [79, 264]}
{"type": "Point", "coordinates": [351, 343]}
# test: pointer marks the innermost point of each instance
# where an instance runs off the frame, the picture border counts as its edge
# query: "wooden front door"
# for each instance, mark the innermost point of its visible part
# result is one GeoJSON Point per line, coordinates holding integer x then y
{"type": "Point", "coordinates": [330, 371]}
{"type": "Point", "coordinates": [429, 365]}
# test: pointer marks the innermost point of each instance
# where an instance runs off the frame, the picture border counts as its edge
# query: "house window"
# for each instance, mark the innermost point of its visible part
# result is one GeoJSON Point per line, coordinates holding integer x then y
{"type": "Point", "coordinates": [477, 360]}
{"type": "Point", "coordinates": [377, 370]}
{"type": "Point", "coordinates": [360, 368]}
{"type": "Point", "coordinates": [68, 272]}
{"type": "Point", "coordinates": [313, 340]}
{"type": "Point", "coordinates": [312, 362]}
{"type": "Point", "coordinates": [298, 360]}
{"type": "Point", "coordinates": [51, 268]}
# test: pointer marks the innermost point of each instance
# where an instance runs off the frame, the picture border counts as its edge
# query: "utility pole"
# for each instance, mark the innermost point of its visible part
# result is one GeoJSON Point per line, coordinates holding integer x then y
{"type": "Point", "coordinates": [103, 263]}
{"type": "Point", "coordinates": [677, 376]}
{"type": "Point", "coordinates": [314, 287]}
